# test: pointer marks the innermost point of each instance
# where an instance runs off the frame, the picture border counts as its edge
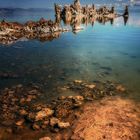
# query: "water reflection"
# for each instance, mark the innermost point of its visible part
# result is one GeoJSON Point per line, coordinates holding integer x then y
{"type": "Point", "coordinates": [125, 20]}
{"type": "Point", "coordinates": [75, 23]}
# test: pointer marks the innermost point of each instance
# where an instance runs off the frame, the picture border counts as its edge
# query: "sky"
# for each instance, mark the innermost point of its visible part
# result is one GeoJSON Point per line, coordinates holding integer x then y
{"type": "Point", "coordinates": [44, 3]}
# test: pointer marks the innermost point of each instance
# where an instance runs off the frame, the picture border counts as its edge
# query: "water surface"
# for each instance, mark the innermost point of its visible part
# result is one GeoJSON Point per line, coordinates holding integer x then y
{"type": "Point", "coordinates": [98, 53]}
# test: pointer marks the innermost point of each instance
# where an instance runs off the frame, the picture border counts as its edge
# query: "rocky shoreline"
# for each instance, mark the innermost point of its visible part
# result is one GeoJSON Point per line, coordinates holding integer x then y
{"type": "Point", "coordinates": [46, 30]}
{"type": "Point", "coordinates": [112, 118]}
{"type": "Point", "coordinates": [22, 109]}
{"type": "Point", "coordinates": [43, 30]}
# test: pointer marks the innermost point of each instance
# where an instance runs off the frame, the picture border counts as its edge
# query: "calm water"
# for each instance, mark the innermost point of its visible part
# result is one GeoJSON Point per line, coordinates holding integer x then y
{"type": "Point", "coordinates": [99, 52]}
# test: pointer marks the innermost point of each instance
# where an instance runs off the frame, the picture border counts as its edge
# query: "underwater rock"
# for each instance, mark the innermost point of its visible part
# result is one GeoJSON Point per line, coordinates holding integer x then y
{"type": "Point", "coordinates": [19, 86]}
{"type": "Point", "coordinates": [8, 76]}
{"type": "Point", "coordinates": [22, 108]}
{"type": "Point", "coordinates": [36, 127]}
{"type": "Point", "coordinates": [63, 125]}
{"type": "Point", "coordinates": [20, 122]}
{"type": "Point", "coordinates": [81, 98]}
{"type": "Point", "coordinates": [45, 112]}
{"type": "Point", "coordinates": [120, 88]}
{"type": "Point", "coordinates": [23, 112]}
{"type": "Point", "coordinates": [78, 81]}
{"type": "Point", "coordinates": [54, 121]}
{"type": "Point", "coordinates": [92, 86]}
{"type": "Point", "coordinates": [77, 104]}
{"type": "Point", "coordinates": [45, 138]}
{"type": "Point", "coordinates": [60, 124]}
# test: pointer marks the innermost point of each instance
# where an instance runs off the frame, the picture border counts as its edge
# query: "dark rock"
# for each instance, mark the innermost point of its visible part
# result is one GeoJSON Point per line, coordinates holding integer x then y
{"type": "Point", "coordinates": [36, 127]}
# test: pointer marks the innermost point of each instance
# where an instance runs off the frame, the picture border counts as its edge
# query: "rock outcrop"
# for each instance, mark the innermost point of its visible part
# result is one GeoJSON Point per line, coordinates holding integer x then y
{"type": "Point", "coordinates": [75, 14]}
{"type": "Point", "coordinates": [43, 30]}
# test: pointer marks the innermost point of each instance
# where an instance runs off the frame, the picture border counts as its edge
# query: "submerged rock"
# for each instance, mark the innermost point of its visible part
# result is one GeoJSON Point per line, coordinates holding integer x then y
{"type": "Point", "coordinates": [120, 88]}
{"type": "Point", "coordinates": [36, 127]}
{"type": "Point", "coordinates": [81, 98]}
{"type": "Point", "coordinates": [63, 125]}
{"type": "Point", "coordinates": [45, 112]}
{"type": "Point", "coordinates": [56, 122]}
{"type": "Point", "coordinates": [92, 86]}
{"type": "Point", "coordinates": [45, 138]}
{"type": "Point", "coordinates": [20, 122]}
{"type": "Point", "coordinates": [78, 81]}
{"type": "Point", "coordinates": [23, 112]}
{"type": "Point", "coordinates": [22, 107]}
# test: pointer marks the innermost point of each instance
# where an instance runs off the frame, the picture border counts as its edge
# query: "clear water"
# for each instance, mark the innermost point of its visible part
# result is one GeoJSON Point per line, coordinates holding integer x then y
{"type": "Point", "coordinates": [99, 52]}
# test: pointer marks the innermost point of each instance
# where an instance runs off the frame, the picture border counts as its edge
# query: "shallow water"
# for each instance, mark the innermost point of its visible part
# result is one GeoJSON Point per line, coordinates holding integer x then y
{"type": "Point", "coordinates": [98, 53]}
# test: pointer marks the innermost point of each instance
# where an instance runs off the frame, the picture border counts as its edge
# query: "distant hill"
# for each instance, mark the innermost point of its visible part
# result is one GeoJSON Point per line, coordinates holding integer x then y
{"type": "Point", "coordinates": [10, 10]}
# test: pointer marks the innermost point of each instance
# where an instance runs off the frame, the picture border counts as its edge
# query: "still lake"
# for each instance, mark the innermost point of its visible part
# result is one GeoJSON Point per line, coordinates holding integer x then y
{"type": "Point", "coordinates": [100, 52]}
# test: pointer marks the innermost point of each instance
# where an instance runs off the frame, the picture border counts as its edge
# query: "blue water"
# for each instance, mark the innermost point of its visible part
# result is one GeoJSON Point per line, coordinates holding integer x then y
{"type": "Point", "coordinates": [23, 15]}
{"type": "Point", "coordinates": [99, 52]}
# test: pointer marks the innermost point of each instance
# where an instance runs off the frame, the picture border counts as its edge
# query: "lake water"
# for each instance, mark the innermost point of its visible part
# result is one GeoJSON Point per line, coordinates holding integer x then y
{"type": "Point", "coordinates": [98, 53]}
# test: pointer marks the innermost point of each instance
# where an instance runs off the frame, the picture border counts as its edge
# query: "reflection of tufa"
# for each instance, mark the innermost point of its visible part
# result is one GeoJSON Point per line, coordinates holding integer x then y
{"type": "Point", "coordinates": [75, 14]}
{"type": "Point", "coordinates": [126, 13]}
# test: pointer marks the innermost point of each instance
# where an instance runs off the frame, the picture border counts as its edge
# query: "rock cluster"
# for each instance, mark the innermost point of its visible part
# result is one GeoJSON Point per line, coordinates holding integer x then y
{"type": "Point", "coordinates": [75, 9]}
{"type": "Point", "coordinates": [16, 98]}
{"type": "Point", "coordinates": [26, 101]}
{"type": "Point", "coordinates": [22, 108]}
{"type": "Point", "coordinates": [75, 14]}
{"type": "Point", "coordinates": [43, 30]}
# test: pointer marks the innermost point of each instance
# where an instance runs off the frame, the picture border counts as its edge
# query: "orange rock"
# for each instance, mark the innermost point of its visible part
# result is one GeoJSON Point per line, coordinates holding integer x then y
{"type": "Point", "coordinates": [120, 88]}
{"type": "Point", "coordinates": [91, 86]}
{"type": "Point", "coordinates": [46, 112]}
{"type": "Point", "coordinates": [64, 124]}
{"type": "Point", "coordinates": [79, 98]}
{"type": "Point", "coordinates": [78, 81]}
{"type": "Point", "coordinates": [45, 138]}
{"type": "Point", "coordinates": [23, 112]}
{"type": "Point", "coordinates": [20, 122]}
{"type": "Point", "coordinates": [36, 127]}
